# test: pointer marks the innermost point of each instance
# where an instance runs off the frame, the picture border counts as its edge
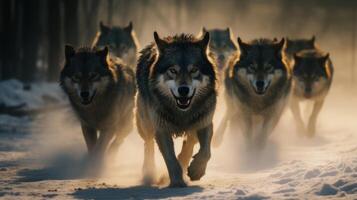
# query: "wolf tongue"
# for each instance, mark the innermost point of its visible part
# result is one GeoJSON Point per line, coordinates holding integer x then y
{"type": "Point", "coordinates": [183, 101]}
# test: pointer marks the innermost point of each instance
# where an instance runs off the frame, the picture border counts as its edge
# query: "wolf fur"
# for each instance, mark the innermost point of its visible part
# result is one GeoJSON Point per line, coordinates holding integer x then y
{"type": "Point", "coordinates": [122, 42]}
{"type": "Point", "coordinates": [312, 78]}
{"type": "Point", "coordinates": [222, 47]}
{"type": "Point", "coordinates": [101, 92]}
{"type": "Point", "coordinates": [257, 83]}
{"type": "Point", "coordinates": [176, 82]}
{"type": "Point", "coordinates": [294, 46]}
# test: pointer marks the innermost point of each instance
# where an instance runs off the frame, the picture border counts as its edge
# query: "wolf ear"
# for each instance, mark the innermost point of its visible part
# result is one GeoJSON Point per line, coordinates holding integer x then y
{"type": "Point", "coordinates": [228, 30]}
{"type": "Point", "coordinates": [243, 47]}
{"type": "Point", "coordinates": [68, 51]}
{"type": "Point", "coordinates": [129, 28]}
{"type": "Point", "coordinates": [280, 45]}
{"type": "Point", "coordinates": [296, 57]}
{"type": "Point", "coordinates": [326, 57]}
{"type": "Point", "coordinates": [161, 44]}
{"type": "Point", "coordinates": [103, 54]}
{"type": "Point", "coordinates": [204, 41]}
{"type": "Point", "coordinates": [313, 40]}
{"type": "Point", "coordinates": [103, 28]}
{"type": "Point", "coordinates": [204, 30]}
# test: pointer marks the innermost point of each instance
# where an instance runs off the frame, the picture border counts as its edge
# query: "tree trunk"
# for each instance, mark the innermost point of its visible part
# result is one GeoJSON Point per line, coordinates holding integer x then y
{"type": "Point", "coordinates": [31, 40]}
{"type": "Point", "coordinates": [54, 40]}
{"type": "Point", "coordinates": [110, 12]}
{"type": "Point", "coordinates": [10, 54]}
{"type": "Point", "coordinates": [71, 22]}
{"type": "Point", "coordinates": [91, 17]}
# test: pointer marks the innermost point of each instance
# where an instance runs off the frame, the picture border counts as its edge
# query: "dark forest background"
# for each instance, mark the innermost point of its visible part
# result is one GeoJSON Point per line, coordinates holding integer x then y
{"type": "Point", "coordinates": [33, 32]}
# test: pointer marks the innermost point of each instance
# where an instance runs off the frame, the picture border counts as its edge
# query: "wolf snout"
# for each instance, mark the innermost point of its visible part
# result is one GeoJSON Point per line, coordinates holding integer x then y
{"type": "Point", "coordinates": [183, 91]}
{"type": "Point", "coordinates": [84, 94]}
{"type": "Point", "coordinates": [260, 85]}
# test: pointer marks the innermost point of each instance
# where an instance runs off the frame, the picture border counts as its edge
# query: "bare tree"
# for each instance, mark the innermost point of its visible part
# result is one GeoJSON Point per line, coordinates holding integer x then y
{"type": "Point", "coordinates": [11, 13]}
{"type": "Point", "coordinates": [30, 34]}
{"type": "Point", "coordinates": [54, 39]}
{"type": "Point", "coordinates": [91, 10]}
{"type": "Point", "coordinates": [71, 21]}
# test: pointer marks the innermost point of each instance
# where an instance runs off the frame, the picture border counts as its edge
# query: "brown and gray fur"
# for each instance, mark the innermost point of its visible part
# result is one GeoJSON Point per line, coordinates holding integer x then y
{"type": "Point", "coordinates": [257, 83]}
{"type": "Point", "coordinates": [294, 46]}
{"type": "Point", "coordinates": [101, 92]}
{"type": "Point", "coordinates": [176, 81]}
{"type": "Point", "coordinates": [222, 47]}
{"type": "Point", "coordinates": [122, 42]}
{"type": "Point", "coordinates": [312, 78]}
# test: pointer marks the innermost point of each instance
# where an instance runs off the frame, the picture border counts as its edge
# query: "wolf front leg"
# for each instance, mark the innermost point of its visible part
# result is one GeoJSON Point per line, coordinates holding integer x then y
{"type": "Point", "coordinates": [198, 165]}
{"type": "Point", "coordinates": [103, 143]}
{"type": "Point", "coordinates": [311, 127]}
{"type": "Point", "coordinates": [90, 137]}
{"type": "Point", "coordinates": [218, 135]}
{"type": "Point", "coordinates": [166, 146]}
{"type": "Point", "coordinates": [187, 150]}
{"type": "Point", "coordinates": [295, 109]}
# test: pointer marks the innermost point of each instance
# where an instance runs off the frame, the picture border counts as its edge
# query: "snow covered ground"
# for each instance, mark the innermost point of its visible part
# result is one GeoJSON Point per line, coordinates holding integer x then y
{"type": "Point", "coordinates": [44, 157]}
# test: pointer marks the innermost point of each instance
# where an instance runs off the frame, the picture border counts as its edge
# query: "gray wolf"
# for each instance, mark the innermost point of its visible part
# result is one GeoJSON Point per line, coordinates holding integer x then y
{"type": "Point", "coordinates": [122, 42]}
{"type": "Point", "coordinates": [312, 78]}
{"type": "Point", "coordinates": [257, 83]}
{"type": "Point", "coordinates": [176, 82]}
{"type": "Point", "coordinates": [296, 45]}
{"type": "Point", "coordinates": [101, 92]}
{"type": "Point", "coordinates": [221, 46]}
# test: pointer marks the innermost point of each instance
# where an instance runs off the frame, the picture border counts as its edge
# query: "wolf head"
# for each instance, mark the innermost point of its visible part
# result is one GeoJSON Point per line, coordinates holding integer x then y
{"type": "Point", "coordinates": [221, 45]}
{"type": "Point", "coordinates": [260, 64]}
{"type": "Point", "coordinates": [121, 41]}
{"type": "Point", "coordinates": [86, 74]}
{"type": "Point", "coordinates": [310, 72]}
{"type": "Point", "coordinates": [183, 73]}
{"type": "Point", "coordinates": [294, 46]}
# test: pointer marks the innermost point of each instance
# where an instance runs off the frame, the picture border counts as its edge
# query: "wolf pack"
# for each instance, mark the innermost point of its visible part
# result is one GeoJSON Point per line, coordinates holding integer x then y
{"type": "Point", "coordinates": [170, 89]}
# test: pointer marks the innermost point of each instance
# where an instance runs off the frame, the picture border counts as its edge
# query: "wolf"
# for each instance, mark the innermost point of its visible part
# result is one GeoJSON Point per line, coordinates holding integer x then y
{"type": "Point", "coordinates": [297, 45]}
{"type": "Point", "coordinates": [122, 42]}
{"type": "Point", "coordinates": [176, 81]}
{"type": "Point", "coordinates": [257, 83]}
{"type": "Point", "coordinates": [221, 46]}
{"type": "Point", "coordinates": [312, 78]}
{"type": "Point", "coordinates": [101, 92]}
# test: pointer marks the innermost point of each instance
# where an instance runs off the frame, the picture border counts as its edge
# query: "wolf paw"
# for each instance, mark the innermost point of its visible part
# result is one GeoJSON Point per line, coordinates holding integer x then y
{"type": "Point", "coordinates": [198, 166]}
{"type": "Point", "coordinates": [149, 180]}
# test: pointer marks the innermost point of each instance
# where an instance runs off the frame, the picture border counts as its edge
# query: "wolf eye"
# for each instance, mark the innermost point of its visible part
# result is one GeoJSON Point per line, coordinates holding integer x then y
{"type": "Point", "coordinates": [251, 68]}
{"type": "Point", "coordinates": [94, 76]}
{"type": "Point", "coordinates": [172, 71]}
{"type": "Point", "coordinates": [269, 68]}
{"type": "Point", "coordinates": [75, 78]}
{"type": "Point", "coordinates": [194, 71]}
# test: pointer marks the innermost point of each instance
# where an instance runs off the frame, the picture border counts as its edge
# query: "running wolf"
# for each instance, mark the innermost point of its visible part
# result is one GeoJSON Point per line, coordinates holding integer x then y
{"type": "Point", "coordinates": [122, 42]}
{"type": "Point", "coordinates": [101, 92]}
{"type": "Point", "coordinates": [257, 83]}
{"type": "Point", "coordinates": [221, 46]}
{"type": "Point", "coordinates": [176, 82]}
{"type": "Point", "coordinates": [312, 78]}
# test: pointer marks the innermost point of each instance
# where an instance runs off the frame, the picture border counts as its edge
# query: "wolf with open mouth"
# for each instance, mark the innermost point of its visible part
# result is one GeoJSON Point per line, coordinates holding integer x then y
{"type": "Point", "coordinates": [101, 91]}
{"type": "Point", "coordinates": [176, 81]}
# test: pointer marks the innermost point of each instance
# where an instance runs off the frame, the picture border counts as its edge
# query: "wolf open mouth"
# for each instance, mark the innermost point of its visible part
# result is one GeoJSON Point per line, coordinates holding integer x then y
{"type": "Point", "coordinates": [183, 102]}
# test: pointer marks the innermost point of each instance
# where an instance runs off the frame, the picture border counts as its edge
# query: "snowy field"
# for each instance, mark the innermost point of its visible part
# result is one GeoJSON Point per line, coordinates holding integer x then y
{"type": "Point", "coordinates": [43, 157]}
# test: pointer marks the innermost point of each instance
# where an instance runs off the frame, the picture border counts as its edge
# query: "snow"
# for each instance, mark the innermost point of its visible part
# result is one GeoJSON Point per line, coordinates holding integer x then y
{"type": "Point", "coordinates": [34, 95]}
{"type": "Point", "coordinates": [45, 158]}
